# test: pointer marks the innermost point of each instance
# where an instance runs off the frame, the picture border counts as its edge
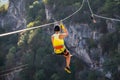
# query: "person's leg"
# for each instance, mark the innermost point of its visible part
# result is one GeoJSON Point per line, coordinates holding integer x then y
{"type": "Point", "coordinates": [68, 59]}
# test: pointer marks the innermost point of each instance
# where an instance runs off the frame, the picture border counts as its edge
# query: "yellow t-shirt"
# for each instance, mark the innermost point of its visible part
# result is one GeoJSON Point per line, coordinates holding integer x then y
{"type": "Point", "coordinates": [58, 42]}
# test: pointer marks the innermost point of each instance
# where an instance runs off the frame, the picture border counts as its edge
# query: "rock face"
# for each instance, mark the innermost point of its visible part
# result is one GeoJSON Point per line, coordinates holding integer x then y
{"type": "Point", "coordinates": [76, 41]}
{"type": "Point", "coordinates": [14, 16]}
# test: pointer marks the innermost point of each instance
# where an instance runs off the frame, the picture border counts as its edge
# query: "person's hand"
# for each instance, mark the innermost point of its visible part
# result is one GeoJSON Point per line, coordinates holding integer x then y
{"type": "Point", "coordinates": [93, 19]}
{"type": "Point", "coordinates": [61, 25]}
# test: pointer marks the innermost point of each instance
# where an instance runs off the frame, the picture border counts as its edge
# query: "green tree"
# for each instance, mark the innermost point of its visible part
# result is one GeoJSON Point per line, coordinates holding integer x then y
{"type": "Point", "coordinates": [11, 56]}
{"type": "Point", "coordinates": [40, 75]}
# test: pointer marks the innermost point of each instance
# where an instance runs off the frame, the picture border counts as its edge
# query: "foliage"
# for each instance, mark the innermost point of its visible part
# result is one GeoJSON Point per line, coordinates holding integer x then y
{"type": "Point", "coordinates": [4, 5]}
{"type": "Point", "coordinates": [111, 6]}
{"type": "Point", "coordinates": [45, 1]}
{"type": "Point", "coordinates": [40, 75]}
{"type": "Point", "coordinates": [11, 56]}
{"type": "Point", "coordinates": [112, 39]}
{"type": "Point", "coordinates": [92, 43]}
{"type": "Point", "coordinates": [112, 63]}
{"type": "Point", "coordinates": [36, 11]}
{"type": "Point", "coordinates": [2, 59]}
{"type": "Point", "coordinates": [91, 75]}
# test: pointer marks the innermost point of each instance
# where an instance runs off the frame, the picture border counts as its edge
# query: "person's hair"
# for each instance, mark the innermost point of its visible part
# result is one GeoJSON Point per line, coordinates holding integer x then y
{"type": "Point", "coordinates": [56, 28]}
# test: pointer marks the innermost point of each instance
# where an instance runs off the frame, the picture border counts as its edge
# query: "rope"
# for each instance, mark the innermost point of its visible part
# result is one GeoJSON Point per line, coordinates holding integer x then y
{"type": "Point", "coordinates": [18, 31]}
{"type": "Point", "coordinates": [99, 15]}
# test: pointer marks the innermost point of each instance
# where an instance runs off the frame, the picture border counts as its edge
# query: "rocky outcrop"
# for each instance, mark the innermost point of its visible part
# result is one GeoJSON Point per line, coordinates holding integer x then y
{"type": "Point", "coordinates": [14, 18]}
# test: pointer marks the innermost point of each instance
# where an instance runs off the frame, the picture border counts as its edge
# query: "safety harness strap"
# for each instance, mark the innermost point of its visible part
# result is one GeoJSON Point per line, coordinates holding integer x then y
{"type": "Point", "coordinates": [59, 47]}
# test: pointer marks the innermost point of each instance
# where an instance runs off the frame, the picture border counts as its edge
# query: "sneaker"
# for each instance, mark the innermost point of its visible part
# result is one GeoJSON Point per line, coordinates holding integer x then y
{"type": "Point", "coordinates": [67, 70]}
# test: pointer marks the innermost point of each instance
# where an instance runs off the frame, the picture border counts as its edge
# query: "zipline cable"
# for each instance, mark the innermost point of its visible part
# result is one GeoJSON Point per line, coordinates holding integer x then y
{"type": "Point", "coordinates": [74, 12]}
{"type": "Point", "coordinates": [91, 11]}
{"type": "Point", "coordinates": [106, 18]}
{"type": "Point", "coordinates": [14, 32]}
{"type": "Point", "coordinates": [99, 15]}
{"type": "Point", "coordinates": [18, 31]}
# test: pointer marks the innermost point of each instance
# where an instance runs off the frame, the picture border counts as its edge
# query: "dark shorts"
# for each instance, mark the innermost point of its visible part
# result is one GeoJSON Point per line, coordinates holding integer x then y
{"type": "Point", "coordinates": [65, 53]}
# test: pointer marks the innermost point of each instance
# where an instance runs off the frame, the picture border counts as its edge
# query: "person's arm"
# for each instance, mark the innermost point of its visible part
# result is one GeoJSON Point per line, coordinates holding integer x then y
{"type": "Point", "coordinates": [64, 33]}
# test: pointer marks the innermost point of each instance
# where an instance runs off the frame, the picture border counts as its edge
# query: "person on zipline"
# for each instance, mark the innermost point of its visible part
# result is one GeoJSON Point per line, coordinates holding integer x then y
{"type": "Point", "coordinates": [60, 32]}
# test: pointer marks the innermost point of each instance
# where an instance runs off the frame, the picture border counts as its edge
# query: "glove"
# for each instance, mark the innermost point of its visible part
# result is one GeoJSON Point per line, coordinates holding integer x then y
{"type": "Point", "coordinates": [62, 26]}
